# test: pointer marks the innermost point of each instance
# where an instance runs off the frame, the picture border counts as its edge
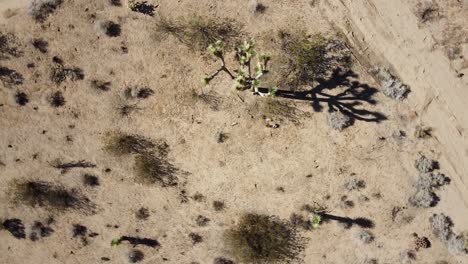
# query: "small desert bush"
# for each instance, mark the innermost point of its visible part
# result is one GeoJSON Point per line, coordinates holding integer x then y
{"type": "Point", "coordinates": [199, 32]}
{"type": "Point", "coordinates": [425, 165]}
{"type": "Point", "coordinates": [263, 239]}
{"type": "Point", "coordinates": [392, 87]}
{"type": "Point", "coordinates": [41, 9]}
{"type": "Point", "coordinates": [441, 226]}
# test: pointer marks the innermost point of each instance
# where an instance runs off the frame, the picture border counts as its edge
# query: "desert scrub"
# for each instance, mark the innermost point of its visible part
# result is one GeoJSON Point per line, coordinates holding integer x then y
{"type": "Point", "coordinates": [10, 77]}
{"type": "Point", "coordinates": [363, 237]}
{"type": "Point", "coordinates": [152, 169]}
{"type": "Point", "coordinates": [141, 7]}
{"type": "Point", "coordinates": [51, 196]}
{"type": "Point", "coordinates": [9, 46]}
{"type": "Point", "coordinates": [243, 78]}
{"type": "Point", "coordinates": [424, 165]}
{"type": "Point", "coordinates": [109, 28]}
{"type": "Point", "coordinates": [441, 226]}
{"type": "Point", "coordinates": [120, 144]}
{"type": "Point", "coordinates": [199, 32]}
{"type": "Point", "coordinates": [339, 121]}
{"type": "Point", "coordinates": [426, 185]}
{"type": "Point", "coordinates": [303, 58]}
{"type": "Point", "coordinates": [263, 239]}
{"type": "Point", "coordinates": [391, 86]}
{"type": "Point", "coordinates": [41, 9]}
{"type": "Point", "coordinates": [354, 184]}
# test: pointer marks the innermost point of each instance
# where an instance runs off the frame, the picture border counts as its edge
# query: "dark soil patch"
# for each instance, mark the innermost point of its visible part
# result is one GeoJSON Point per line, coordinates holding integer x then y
{"type": "Point", "coordinates": [223, 261]}
{"type": "Point", "coordinates": [15, 227]}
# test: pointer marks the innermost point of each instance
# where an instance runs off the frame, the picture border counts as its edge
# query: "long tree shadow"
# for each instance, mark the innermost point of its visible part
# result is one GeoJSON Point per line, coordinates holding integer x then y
{"type": "Point", "coordinates": [350, 102]}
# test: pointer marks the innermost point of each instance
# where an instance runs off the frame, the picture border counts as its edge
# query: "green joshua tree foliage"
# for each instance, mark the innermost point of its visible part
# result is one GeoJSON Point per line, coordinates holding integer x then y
{"type": "Point", "coordinates": [244, 77]}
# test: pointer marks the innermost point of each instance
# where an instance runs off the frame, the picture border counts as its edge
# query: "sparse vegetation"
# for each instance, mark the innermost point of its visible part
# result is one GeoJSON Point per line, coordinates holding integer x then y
{"type": "Point", "coordinates": [56, 99]}
{"type": "Point", "coordinates": [391, 86]}
{"type": "Point", "coordinates": [9, 46]}
{"type": "Point", "coordinates": [100, 85]}
{"type": "Point", "coordinates": [21, 98]}
{"type": "Point", "coordinates": [338, 120]}
{"type": "Point", "coordinates": [199, 32]}
{"type": "Point", "coordinates": [41, 9]}
{"type": "Point", "coordinates": [40, 45]}
{"type": "Point", "coordinates": [426, 184]}
{"type": "Point", "coordinates": [363, 236]}
{"type": "Point", "coordinates": [142, 7]}
{"type": "Point", "coordinates": [15, 227]}
{"type": "Point", "coordinates": [243, 77]}
{"type": "Point", "coordinates": [119, 144]}
{"type": "Point", "coordinates": [135, 256]}
{"type": "Point", "coordinates": [109, 28]}
{"type": "Point", "coordinates": [354, 184]}
{"type": "Point", "coordinates": [142, 213]}
{"type": "Point", "coordinates": [10, 77]}
{"type": "Point", "coordinates": [256, 8]}
{"type": "Point", "coordinates": [263, 239]}
{"type": "Point", "coordinates": [219, 205]}
{"type": "Point", "coordinates": [196, 238]}
{"type": "Point", "coordinates": [441, 226]}
{"type": "Point", "coordinates": [51, 196]}
{"type": "Point", "coordinates": [424, 165]}
{"type": "Point", "coordinates": [306, 57]}
{"type": "Point", "coordinates": [151, 169]}
{"type": "Point", "coordinates": [138, 92]}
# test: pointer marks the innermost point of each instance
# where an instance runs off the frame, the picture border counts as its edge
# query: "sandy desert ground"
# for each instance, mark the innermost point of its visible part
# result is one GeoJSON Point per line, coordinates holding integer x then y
{"type": "Point", "coordinates": [112, 150]}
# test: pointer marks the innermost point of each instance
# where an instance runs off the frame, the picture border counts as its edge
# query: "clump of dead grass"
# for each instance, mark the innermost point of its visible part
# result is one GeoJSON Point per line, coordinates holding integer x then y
{"type": "Point", "coordinates": [261, 238]}
{"type": "Point", "coordinates": [199, 32]}
{"type": "Point", "coordinates": [120, 144]}
{"type": "Point", "coordinates": [151, 162]}
{"type": "Point", "coordinates": [41, 9]}
{"type": "Point", "coordinates": [9, 46]}
{"type": "Point", "coordinates": [51, 196]}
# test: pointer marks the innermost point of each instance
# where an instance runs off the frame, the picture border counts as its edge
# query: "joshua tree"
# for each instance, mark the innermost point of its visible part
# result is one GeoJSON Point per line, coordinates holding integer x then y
{"type": "Point", "coordinates": [243, 77]}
